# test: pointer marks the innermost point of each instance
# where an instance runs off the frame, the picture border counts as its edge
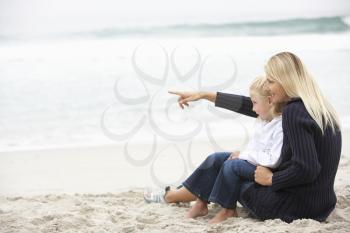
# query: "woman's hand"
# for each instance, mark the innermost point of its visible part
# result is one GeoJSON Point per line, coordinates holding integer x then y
{"type": "Point", "coordinates": [263, 176]}
{"type": "Point", "coordinates": [234, 155]}
{"type": "Point", "coordinates": [185, 97]}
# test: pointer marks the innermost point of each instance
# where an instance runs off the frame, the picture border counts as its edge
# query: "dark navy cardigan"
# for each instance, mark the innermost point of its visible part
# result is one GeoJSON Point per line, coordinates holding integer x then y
{"type": "Point", "coordinates": [302, 185]}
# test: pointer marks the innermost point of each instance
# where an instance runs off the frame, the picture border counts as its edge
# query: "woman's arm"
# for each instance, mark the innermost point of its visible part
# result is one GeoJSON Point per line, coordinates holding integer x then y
{"type": "Point", "coordinates": [236, 103]}
{"type": "Point", "coordinates": [210, 96]}
{"type": "Point", "coordinates": [304, 165]}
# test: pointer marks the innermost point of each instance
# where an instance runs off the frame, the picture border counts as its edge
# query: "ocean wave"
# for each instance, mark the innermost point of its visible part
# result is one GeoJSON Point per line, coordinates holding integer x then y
{"type": "Point", "coordinates": [321, 25]}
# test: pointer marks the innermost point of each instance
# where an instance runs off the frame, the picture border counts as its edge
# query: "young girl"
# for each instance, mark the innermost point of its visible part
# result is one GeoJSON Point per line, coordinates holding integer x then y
{"type": "Point", "coordinates": [219, 177]}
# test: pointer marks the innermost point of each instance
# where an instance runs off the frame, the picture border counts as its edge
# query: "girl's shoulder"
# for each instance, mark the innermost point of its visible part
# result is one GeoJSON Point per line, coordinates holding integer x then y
{"type": "Point", "coordinates": [276, 123]}
{"type": "Point", "coordinates": [259, 123]}
{"type": "Point", "coordinates": [277, 119]}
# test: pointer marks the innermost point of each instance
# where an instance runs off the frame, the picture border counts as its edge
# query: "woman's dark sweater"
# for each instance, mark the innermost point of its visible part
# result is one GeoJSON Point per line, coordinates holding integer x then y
{"type": "Point", "coordinates": [302, 185]}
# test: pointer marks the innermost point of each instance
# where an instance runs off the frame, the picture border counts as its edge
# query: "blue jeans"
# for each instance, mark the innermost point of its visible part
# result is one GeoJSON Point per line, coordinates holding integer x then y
{"type": "Point", "coordinates": [220, 180]}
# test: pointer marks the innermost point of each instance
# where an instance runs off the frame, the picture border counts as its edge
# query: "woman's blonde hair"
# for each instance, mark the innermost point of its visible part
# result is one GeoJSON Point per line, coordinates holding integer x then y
{"type": "Point", "coordinates": [288, 70]}
{"type": "Point", "coordinates": [259, 88]}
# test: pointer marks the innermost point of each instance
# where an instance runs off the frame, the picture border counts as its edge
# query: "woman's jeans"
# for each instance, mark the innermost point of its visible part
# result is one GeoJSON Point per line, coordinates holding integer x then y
{"type": "Point", "coordinates": [221, 180]}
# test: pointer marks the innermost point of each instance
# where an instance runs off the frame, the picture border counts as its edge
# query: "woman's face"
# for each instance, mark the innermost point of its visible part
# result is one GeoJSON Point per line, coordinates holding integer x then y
{"type": "Point", "coordinates": [278, 95]}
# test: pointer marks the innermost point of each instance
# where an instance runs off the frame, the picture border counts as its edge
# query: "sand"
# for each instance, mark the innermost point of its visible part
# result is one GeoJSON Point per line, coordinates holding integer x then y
{"type": "Point", "coordinates": [127, 212]}
{"type": "Point", "coordinates": [96, 190]}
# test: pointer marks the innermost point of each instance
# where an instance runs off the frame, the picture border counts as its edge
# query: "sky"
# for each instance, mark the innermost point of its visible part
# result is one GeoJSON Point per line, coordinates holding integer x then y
{"type": "Point", "coordinates": [46, 16]}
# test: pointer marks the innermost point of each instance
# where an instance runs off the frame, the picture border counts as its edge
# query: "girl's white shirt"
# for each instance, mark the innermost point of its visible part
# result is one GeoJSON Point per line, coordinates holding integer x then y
{"type": "Point", "coordinates": [264, 148]}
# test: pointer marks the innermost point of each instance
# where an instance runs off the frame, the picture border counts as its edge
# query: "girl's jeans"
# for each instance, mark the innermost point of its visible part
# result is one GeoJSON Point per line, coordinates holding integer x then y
{"type": "Point", "coordinates": [220, 180]}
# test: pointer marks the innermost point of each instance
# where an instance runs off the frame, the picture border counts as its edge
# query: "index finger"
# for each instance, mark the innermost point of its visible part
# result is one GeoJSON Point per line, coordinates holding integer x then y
{"type": "Point", "coordinates": [175, 92]}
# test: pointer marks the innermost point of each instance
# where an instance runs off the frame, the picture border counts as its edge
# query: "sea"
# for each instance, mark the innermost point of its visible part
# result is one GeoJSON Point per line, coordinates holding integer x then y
{"type": "Point", "coordinates": [110, 85]}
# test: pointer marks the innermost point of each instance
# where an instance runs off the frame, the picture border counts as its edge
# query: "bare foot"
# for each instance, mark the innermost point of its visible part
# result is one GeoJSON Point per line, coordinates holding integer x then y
{"type": "Point", "coordinates": [222, 215]}
{"type": "Point", "coordinates": [200, 208]}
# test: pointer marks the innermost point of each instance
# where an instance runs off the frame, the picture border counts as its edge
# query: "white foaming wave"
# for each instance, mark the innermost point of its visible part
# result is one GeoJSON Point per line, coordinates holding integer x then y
{"type": "Point", "coordinates": [346, 19]}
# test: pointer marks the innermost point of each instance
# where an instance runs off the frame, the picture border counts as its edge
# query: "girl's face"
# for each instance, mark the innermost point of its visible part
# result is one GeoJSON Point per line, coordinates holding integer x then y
{"type": "Point", "coordinates": [262, 106]}
{"type": "Point", "coordinates": [278, 95]}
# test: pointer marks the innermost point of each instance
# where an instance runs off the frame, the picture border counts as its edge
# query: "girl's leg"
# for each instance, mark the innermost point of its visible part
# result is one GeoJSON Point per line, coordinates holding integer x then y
{"type": "Point", "coordinates": [179, 195]}
{"type": "Point", "coordinates": [200, 208]}
{"type": "Point", "coordinates": [227, 186]}
{"type": "Point", "coordinates": [244, 186]}
{"type": "Point", "coordinates": [244, 169]}
{"type": "Point", "coordinates": [200, 183]}
{"type": "Point", "coordinates": [222, 215]}
{"type": "Point", "coordinates": [183, 195]}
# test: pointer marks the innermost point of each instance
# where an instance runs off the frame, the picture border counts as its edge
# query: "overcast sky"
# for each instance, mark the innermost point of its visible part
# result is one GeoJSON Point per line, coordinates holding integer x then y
{"type": "Point", "coordinates": [40, 16]}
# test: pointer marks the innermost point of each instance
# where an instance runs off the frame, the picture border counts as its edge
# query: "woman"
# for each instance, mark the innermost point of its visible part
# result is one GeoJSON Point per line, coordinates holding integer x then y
{"type": "Point", "coordinates": [302, 185]}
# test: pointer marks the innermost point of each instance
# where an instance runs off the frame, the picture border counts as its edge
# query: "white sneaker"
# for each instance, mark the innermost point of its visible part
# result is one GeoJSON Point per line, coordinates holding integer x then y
{"type": "Point", "coordinates": [155, 195]}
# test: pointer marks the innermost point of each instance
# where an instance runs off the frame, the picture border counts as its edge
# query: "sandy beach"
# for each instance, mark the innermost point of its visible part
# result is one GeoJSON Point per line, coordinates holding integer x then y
{"type": "Point", "coordinates": [96, 190]}
{"type": "Point", "coordinates": [127, 212]}
{"type": "Point", "coordinates": [87, 122]}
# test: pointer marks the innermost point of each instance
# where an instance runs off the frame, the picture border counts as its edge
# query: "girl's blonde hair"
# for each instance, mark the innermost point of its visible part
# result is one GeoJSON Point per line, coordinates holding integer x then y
{"type": "Point", "coordinates": [259, 88]}
{"type": "Point", "coordinates": [289, 71]}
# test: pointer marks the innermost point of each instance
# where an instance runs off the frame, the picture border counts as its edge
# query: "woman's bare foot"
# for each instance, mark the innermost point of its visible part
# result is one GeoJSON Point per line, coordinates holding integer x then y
{"type": "Point", "coordinates": [200, 208]}
{"type": "Point", "coordinates": [222, 215]}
